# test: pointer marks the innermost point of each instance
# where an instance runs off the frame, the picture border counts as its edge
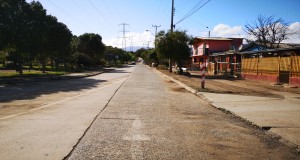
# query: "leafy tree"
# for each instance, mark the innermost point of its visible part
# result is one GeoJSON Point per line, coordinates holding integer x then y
{"type": "Point", "coordinates": [81, 60]}
{"type": "Point", "coordinates": [173, 46]}
{"type": "Point", "coordinates": [149, 56]}
{"type": "Point", "coordinates": [128, 56]}
{"type": "Point", "coordinates": [62, 38]}
{"type": "Point", "coordinates": [27, 32]}
{"type": "Point", "coordinates": [153, 56]}
{"type": "Point", "coordinates": [55, 39]}
{"type": "Point", "coordinates": [268, 31]}
{"type": "Point", "coordinates": [15, 30]}
{"type": "Point", "coordinates": [74, 44]}
{"type": "Point", "coordinates": [138, 53]}
{"type": "Point", "coordinates": [38, 16]}
{"type": "Point", "coordinates": [91, 45]}
{"type": "Point", "coordinates": [114, 54]}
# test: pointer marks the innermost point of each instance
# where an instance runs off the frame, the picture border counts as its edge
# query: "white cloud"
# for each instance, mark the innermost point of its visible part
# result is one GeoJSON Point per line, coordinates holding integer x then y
{"type": "Point", "coordinates": [295, 38]}
{"type": "Point", "coordinates": [223, 30]}
{"type": "Point", "coordinates": [220, 30]}
{"type": "Point", "coordinates": [133, 39]}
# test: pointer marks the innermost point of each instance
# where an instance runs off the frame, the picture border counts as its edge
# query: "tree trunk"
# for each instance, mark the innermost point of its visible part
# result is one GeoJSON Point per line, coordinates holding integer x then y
{"type": "Point", "coordinates": [170, 66]}
{"type": "Point", "coordinates": [43, 64]}
{"type": "Point", "coordinates": [52, 63]}
{"type": "Point", "coordinates": [180, 67]}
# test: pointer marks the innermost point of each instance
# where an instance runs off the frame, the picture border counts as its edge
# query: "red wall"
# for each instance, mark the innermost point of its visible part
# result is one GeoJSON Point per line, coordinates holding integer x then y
{"type": "Point", "coordinates": [295, 81]}
{"type": "Point", "coordinates": [219, 45]}
{"type": "Point", "coordinates": [215, 45]}
{"type": "Point", "coordinates": [261, 77]}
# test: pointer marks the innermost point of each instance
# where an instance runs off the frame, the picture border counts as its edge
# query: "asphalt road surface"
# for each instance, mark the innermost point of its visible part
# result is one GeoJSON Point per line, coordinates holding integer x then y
{"type": "Point", "coordinates": [45, 120]}
{"type": "Point", "coordinates": [131, 113]}
{"type": "Point", "coordinates": [150, 117]}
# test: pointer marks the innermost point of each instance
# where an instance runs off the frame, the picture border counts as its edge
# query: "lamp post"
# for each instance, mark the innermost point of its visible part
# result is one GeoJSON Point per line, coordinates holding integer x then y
{"type": "Point", "coordinates": [208, 32]}
{"type": "Point", "coordinates": [147, 30]}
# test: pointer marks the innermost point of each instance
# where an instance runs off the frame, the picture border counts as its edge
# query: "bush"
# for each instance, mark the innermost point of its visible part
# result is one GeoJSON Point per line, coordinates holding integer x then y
{"type": "Point", "coordinates": [162, 67]}
{"type": "Point", "coordinates": [102, 62]}
{"type": "Point", "coordinates": [82, 60]}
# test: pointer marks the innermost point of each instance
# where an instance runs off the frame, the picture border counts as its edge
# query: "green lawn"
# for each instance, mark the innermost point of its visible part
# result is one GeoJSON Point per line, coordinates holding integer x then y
{"type": "Point", "coordinates": [26, 73]}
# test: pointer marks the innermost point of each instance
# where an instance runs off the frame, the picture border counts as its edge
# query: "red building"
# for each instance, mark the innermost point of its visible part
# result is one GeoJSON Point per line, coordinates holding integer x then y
{"type": "Point", "coordinates": [204, 47]}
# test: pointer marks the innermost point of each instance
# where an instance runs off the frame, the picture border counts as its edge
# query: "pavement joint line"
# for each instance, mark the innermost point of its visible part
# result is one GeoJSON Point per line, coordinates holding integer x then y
{"type": "Point", "coordinates": [57, 102]}
{"type": "Point", "coordinates": [130, 119]}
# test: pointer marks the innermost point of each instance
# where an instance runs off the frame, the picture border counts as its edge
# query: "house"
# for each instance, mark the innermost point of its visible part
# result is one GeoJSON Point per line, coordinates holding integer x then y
{"type": "Point", "coordinates": [206, 49]}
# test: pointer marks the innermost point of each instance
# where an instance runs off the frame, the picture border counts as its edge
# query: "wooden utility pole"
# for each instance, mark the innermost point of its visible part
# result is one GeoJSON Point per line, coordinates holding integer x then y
{"type": "Point", "coordinates": [172, 25]}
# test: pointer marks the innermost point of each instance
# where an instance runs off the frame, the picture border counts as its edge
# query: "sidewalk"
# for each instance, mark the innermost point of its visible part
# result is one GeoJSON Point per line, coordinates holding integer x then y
{"type": "Point", "coordinates": [279, 116]}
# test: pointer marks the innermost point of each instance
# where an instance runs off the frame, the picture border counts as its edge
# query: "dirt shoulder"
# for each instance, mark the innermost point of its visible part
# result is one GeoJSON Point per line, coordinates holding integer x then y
{"type": "Point", "coordinates": [230, 85]}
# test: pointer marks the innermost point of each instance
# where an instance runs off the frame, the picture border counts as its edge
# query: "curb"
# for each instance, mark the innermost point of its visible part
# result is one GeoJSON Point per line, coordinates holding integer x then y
{"type": "Point", "coordinates": [178, 82]}
{"type": "Point", "coordinates": [199, 94]}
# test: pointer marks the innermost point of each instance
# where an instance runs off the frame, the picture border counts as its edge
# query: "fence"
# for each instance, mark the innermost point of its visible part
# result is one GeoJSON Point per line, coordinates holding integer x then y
{"type": "Point", "coordinates": [283, 67]}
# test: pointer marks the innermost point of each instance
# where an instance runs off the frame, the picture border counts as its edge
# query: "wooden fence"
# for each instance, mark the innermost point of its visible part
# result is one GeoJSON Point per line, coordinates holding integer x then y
{"type": "Point", "coordinates": [283, 67]}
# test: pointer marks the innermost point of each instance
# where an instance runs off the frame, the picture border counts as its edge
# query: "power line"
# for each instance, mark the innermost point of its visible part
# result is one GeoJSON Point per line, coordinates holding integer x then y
{"type": "Point", "coordinates": [92, 4]}
{"type": "Point", "coordinates": [191, 12]}
{"type": "Point", "coordinates": [194, 21]}
{"type": "Point", "coordinates": [70, 15]}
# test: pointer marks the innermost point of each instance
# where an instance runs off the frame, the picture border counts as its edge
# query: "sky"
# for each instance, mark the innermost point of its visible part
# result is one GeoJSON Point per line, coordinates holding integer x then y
{"type": "Point", "coordinates": [222, 18]}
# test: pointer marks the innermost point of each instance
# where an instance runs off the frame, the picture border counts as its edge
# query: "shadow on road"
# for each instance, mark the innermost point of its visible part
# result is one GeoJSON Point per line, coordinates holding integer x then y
{"type": "Point", "coordinates": [33, 90]}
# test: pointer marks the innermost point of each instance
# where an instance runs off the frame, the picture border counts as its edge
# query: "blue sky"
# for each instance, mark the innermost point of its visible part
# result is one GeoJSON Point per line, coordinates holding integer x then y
{"type": "Point", "coordinates": [223, 18]}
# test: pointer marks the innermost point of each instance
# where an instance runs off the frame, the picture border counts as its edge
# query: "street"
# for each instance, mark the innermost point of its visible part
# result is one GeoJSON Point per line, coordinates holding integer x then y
{"type": "Point", "coordinates": [45, 120]}
{"type": "Point", "coordinates": [150, 117]}
{"type": "Point", "coordinates": [130, 113]}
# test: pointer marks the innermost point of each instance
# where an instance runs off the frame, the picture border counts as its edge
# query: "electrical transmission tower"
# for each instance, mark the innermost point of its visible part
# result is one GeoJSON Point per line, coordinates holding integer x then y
{"type": "Point", "coordinates": [124, 31]}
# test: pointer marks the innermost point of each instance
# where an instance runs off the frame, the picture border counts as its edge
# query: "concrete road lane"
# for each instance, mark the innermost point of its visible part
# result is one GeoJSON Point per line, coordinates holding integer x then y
{"type": "Point", "coordinates": [51, 130]}
{"type": "Point", "coordinates": [150, 117]}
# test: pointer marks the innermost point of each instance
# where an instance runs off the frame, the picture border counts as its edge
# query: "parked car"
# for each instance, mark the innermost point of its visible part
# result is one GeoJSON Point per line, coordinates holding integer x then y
{"type": "Point", "coordinates": [133, 62]}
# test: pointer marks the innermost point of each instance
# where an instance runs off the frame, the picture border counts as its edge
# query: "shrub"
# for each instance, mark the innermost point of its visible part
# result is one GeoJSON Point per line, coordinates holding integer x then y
{"type": "Point", "coordinates": [102, 62]}
{"type": "Point", "coordinates": [162, 67]}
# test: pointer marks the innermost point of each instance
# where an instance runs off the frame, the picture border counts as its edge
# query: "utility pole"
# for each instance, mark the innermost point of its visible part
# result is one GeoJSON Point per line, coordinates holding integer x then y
{"type": "Point", "coordinates": [124, 33]}
{"type": "Point", "coordinates": [155, 34]}
{"type": "Point", "coordinates": [172, 25]}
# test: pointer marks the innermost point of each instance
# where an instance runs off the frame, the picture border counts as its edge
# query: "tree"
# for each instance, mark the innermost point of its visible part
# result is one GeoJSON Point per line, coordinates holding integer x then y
{"type": "Point", "coordinates": [38, 15]}
{"type": "Point", "coordinates": [173, 46]}
{"type": "Point", "coordinates": [27, 32]}
{"type": "Point", "coordinates": [149, 56]}
{"type": "Point", "coordinates": [61, 40]}
{"type": "Point", "coordinates": [15, 30]}
{"type": "Point", "coordinates": [115, 54]}
{"type": "Point", "coordinates": [139, 52]}
{"type": "Point", "coordinates": [268, 31]}
{"type": "Point", "coordinates": [91, 45]}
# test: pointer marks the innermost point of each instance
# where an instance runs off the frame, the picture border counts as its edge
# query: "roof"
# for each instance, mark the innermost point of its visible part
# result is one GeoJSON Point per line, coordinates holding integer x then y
{"type": "Point", "coordinates": [223, 53]}
{"type": "Point", "coordinates": [271, 50]}
{"type": "Point", "coordinates": [214, 38]}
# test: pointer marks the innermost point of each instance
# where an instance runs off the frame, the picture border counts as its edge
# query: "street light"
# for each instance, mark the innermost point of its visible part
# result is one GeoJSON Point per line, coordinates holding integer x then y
{"type": "Point", "coordinates": [147, 30]}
